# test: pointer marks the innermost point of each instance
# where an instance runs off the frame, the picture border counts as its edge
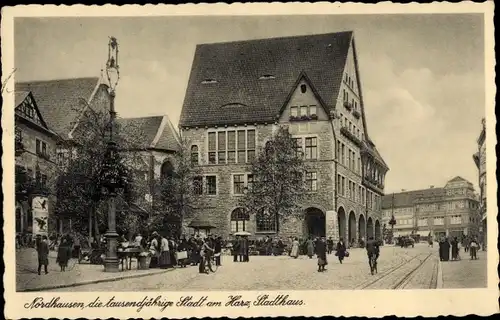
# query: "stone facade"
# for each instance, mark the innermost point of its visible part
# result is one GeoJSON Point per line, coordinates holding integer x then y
{"type": "Point", "coordinates": [35, 153]}
{"type": "Point", "coordinates": [480, 161]}
{"type": "Point", "coordinates": [347, 201]}
{"type": "Point", "coordinates": [447, 211]}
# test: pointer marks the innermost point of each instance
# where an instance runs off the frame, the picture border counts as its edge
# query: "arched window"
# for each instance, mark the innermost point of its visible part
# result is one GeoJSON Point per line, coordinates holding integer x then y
{"type": "Point", "coordinates": [167, 169]}
{"type": "Point", "coordinates": [239, 220]}
{"type": "Point", "coordinates": [194, 155]}
{"type": "Point", "coordinates": [266, 222]}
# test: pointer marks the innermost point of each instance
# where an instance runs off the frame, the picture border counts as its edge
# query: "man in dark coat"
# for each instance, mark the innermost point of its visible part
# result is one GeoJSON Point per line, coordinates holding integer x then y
{"type": "Point", "coordinates": [217, 250]}
{"type": "Point", "coordinates": [236, 248]}
{"type": "Point", "coordinates": [321, 253]}
{"type": "Point", "coordinates": [329, 244]}
{"type": "Point", "coordinates": [244, 249]}
{"type": "Point", "coordinates": [42, 248]}
{"type": "Point", "coordinates": [441, 249]}
{"type": "Point", "coordinates": [446, 250]}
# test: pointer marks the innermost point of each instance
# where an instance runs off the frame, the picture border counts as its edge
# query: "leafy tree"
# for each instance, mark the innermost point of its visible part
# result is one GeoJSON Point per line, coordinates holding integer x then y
{"type": "Point", "coordinates": [79, 187]}
{"type": "Point", "coordinates": [177, 190]}
{"type": "Point", "coordinates": [278, 185]}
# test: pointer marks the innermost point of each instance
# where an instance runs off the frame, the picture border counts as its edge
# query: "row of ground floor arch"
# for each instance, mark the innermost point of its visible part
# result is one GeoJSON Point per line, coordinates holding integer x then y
{"type": "Point", "coordinates": [315, 222]}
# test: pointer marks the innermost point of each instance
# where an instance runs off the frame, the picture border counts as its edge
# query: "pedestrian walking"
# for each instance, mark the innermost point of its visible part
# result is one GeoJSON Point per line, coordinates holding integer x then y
{"type": "Point", "coordinates": [42, 248]}
{"type": "Point", "coordinates": [431, 243]}
{"type": "Point", "coordinates": [454, 249]}
{"type": "Point", "coordinates": [154, 248]}
{"type": "Point", "coordinates": [310, 248]}
{"type": "Point", "coordinates": [321, 253]}
{"type": "Point", "coordinates": [236, 248]}
{"type": "Point", "coordinates": [218, 250]}
{"type": "Point", "coordinates": [341, 250]}
{"type": "Point", "coordinates": [295, 249]}
{"type": "Point", "coordinates": [182, 253]}
{"type": "Point", "coordinates": [63, 254]}
{"type": "Point", "coordinates": [446, 249]}
{"type": "Point", "coordinates": [329, 244]}
{"type": "Point", "coordinates": [164, 259]}
{"type": "Point", "coordinates": [473, 249]}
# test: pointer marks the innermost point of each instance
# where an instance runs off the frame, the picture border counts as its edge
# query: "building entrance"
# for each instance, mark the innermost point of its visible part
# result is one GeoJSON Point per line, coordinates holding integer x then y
{"type": "Point", "coordinates": [315, 223]}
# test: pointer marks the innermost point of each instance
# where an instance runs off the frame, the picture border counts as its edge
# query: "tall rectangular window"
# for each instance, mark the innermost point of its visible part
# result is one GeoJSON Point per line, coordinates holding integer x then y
{"type": "Point", "coordinates": [231, 147]}
{"type": "Point", "coordinates": [250, 145]}
{"type": "Point", "coordinates": [312, 110]}
{"type": "Point", "coordinates": [343, 186]}
{"type": "Point", "coordinates": [342, 154]}
{"type": "Point", "coordinates": [221, 147]}
{"type": "Point", "coordinates": [359, 193]}
{"type": "Point", "coordinates": [303, 111]}
{"type": "Point", "coordinates": [241, 146]}
{"type": "Point", "coordinates": [311, 148]}
{"type": "Point", "coordinates": [294, 111]}
{"type": "Point", "coordinates": [311, 181]}
{"type": "Point", "coordinates": [212, 145]}
{"type": "Point", "coordinates": [250, 181]}
{"type": "Point", "coordinates": [198, 185]}
{"type": "Point", "coordinates": [211, 185]}
{"type": "Point", "coordinates": [349, 158]}
{"type": "Point", "coordinates": [298, 147]}
{"type": "Point", "coordinates": [38, 146]}
{"type": "Point", "coordinates": [238, 183]}
{"type": "Point", "coordinates": [353, 161]}
{"type": "Point", "coordinates": [339, 184]}
{"type": "Point", "coordinates": [38, 177]}
{"type": "Point", "coordinates": [43, 180]}
{"type": "Point", "coordinates": [338, 149]}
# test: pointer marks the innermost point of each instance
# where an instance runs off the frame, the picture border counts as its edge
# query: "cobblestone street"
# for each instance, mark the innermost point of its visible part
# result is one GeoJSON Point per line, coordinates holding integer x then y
{"type": "Point", "coordinates": [398, 268]}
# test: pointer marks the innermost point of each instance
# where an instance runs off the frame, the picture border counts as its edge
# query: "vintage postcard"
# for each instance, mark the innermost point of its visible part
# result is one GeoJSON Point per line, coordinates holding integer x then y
{"type": "Point", "coordinates": [249, 160]}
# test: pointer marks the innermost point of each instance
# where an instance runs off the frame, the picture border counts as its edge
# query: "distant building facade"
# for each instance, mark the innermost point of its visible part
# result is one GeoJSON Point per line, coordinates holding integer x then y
{"type": "Point", "coordinates": [35, 145]}
{"type": "Point", "coordinates": [446, 211]}
{"type": "Point", "coordinates": [480, 161]}
{"type": "Point", "coordinates": [239, 93]}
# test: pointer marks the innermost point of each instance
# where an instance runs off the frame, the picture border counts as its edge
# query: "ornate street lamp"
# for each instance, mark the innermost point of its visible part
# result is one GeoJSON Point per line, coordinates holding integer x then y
{"type": "Point", "coordinates": [111, 173]}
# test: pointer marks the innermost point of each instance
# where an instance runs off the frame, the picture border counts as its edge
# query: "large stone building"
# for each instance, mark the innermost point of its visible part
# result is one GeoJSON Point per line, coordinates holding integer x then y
{"type": "Point", "coordinates": [48, 113]}
{"type": "Point", "coordinates": [480, 161]}
{"type": "Point", "coordinates": [446, 211]}
{"type": "Point", "coordinates": [237, 96]}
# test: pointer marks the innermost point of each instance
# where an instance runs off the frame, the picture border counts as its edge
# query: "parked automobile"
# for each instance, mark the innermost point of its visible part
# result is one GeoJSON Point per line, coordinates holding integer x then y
{"type": "Point", "coordinates": [405, 242]}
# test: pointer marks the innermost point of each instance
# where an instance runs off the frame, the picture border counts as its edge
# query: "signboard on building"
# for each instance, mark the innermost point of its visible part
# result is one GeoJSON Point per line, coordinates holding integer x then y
{"type": "Point", "coordinates": [40, 209]}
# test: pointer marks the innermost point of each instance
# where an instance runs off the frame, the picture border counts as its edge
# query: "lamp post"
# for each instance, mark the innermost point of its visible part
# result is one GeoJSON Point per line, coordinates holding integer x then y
{"type": "Point", "coordinates": [111, 175]}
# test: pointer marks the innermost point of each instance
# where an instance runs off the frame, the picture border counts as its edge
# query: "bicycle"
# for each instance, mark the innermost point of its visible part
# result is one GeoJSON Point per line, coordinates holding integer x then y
{"type": "Point", "coordinates": [373, 264]}
{"type": "Point", "coordinates": [210, 265]}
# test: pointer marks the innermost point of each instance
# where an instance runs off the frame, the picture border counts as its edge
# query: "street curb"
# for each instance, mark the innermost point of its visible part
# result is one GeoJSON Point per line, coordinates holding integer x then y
{"type": "Point", "coordinates": [439, 284]}
{"type": "Point", "coordinates": [77, 284]}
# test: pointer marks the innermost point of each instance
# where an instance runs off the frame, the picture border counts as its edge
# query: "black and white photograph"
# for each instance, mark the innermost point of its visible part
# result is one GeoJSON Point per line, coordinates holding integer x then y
{"type": "Point", "coordinates": [240, 153]}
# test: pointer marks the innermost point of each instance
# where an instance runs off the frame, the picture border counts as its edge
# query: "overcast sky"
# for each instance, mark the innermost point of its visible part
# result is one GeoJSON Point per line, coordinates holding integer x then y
{"type": "Point", "coordinates": [422, 75]}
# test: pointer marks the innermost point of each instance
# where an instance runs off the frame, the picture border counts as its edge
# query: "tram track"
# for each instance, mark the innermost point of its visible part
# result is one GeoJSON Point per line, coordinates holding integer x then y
{"type": "Point", "coordinates": [401, 282]}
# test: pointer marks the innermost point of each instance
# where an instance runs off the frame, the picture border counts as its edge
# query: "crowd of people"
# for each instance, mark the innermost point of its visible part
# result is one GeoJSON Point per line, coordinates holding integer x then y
{"type": "Point", "coordinates": [469, 244]}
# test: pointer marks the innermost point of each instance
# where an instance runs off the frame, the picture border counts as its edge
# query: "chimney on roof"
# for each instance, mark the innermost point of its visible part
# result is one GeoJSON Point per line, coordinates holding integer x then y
{"type": "Point", "coordinates": [403, 190]}
{"type": "Point", "coordinates": [431, 187]}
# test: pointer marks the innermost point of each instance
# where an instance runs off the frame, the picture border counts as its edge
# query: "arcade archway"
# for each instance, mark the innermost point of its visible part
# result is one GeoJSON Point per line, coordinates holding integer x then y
{"type": "Point", "coordinates": [369, 227]}
{"type": "Point", "coordinates": [361, 227]}
{"type": "Point", "coordinates": [341, 222]}
{"type": "Point", "coordinates": [315, 223]}
{"type": "Point", "coordinates": [352, 227]}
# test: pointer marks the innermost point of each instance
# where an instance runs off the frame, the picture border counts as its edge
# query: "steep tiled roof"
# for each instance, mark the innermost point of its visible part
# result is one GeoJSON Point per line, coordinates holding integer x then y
{"type": "Point", "coordinates": [57, 100]}
{"type": "Point", "coordinates": [407, 198]}
{"type": "Point", "coordinates": [235, 69]}
{"type": "Point", "coordinates": [155, 131]}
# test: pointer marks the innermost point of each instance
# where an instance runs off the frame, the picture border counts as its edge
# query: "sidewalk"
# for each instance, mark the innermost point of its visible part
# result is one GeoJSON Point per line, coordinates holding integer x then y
{"type": "Point", "coordinates": [465, 273]}
{"type": "Point", "coordinates": [27, 278]}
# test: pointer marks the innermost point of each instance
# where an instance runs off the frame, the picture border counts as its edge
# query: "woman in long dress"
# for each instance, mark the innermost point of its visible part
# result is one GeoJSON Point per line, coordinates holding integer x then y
{"type": "Point", "coordinates": [310, 248]}
{"type": "Point", "coordinates": [295, 249]}
{"type": "Point", "coordinates": [63, 254]}
{"type": "Point", "coordinates": [164, 260]}
{"type": "Point", "coordinates": [154, 248]}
